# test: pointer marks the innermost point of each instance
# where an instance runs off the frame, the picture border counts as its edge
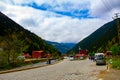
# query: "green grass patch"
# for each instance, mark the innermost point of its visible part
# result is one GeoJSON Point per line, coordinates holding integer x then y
{"type": "Point", "coordinates": [116, 63]}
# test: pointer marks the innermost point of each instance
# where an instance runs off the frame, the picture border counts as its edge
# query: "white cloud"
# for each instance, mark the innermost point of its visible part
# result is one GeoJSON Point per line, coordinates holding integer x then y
{"type": "Point", "coordinates": [59, 28]}
{"type": "Point", "coordinates": [105, 8]}
{"type": "Point", "coordinates": [66, 29]}
{"type": "Point", "coordinates": [2, 6]}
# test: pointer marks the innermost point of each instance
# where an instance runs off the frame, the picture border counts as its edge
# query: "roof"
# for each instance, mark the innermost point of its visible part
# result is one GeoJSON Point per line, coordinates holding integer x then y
{"type": "Point", "coordinates": [79, 54]}
{"type": "Point", "coordinates": [39, 51]}
{"type": "Point", "coordinates": [99, 53]}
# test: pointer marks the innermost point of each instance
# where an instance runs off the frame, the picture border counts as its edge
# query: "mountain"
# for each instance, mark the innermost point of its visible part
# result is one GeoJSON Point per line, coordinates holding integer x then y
{"type": "Point", "coordinates": [13, 34]}
{"type": "Point", "coordinates": [100, 39]}
{"type": "Point", "coordinates": [68, 45]}
{"type": "Point", "coordinates": [62, 47]}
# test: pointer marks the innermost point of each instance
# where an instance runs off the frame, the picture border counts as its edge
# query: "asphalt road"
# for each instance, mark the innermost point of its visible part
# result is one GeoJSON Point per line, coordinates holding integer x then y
{"type": "Point", "coordinates": [65, 70]}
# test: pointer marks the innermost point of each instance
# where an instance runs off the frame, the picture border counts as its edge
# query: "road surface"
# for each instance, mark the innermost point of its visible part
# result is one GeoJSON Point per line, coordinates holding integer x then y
{"type": "Point", "coordinates": [65, 70]}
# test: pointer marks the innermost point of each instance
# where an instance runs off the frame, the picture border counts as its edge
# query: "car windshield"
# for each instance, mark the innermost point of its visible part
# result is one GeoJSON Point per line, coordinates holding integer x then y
{"type": "Point", "coordinates": [100, 57]}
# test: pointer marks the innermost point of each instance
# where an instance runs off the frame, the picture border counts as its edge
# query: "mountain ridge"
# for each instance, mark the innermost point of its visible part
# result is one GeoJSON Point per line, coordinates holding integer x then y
{"type": "Point", "coordinates": [62, 47]}
{"type": "Point", "coordinates": [10, 29]}
{"type": "Point", "coordinates": [98, 38]}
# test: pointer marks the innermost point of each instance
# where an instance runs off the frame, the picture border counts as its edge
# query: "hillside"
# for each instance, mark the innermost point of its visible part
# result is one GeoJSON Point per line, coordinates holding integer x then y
{"type": "Point", "coordinates": [62, 47]}
{"type": "Point", "coordinates": [99, 39]}
{"type": "Point", "coordinates": [12, 34]}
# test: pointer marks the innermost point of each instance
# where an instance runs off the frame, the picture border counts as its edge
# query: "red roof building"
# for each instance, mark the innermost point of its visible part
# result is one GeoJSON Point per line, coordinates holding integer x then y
{"type": "Point", "coordinates": [85, 52]}
{"type": "Point", "coordinates": [38, 54]}
{"type": "Point", "coordinates": [79, 55]}
{"type": "Point", "coordinates": [82, 53]}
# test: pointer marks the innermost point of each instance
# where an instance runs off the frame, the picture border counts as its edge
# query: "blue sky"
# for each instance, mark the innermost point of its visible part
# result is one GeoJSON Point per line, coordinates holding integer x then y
{"type": "Point", "coordinates": [61, 20]}
{"type": "Point", "coordinates": [74, 13]}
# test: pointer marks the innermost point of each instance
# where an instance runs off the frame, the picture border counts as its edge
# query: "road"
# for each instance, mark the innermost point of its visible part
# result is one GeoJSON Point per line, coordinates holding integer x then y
{"type": "Point", "coordinates": [65, 70]}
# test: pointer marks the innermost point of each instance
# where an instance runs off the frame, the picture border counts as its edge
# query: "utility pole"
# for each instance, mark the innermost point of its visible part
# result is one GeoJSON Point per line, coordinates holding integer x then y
{"type": "Point", "coordinates": [116, 17]}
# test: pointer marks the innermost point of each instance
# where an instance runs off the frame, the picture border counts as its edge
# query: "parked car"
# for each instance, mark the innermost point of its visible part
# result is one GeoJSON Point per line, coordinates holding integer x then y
{"type": "Point", "coordinates": [100, 59]}
{"type": "Point", "coordinates": [71, 58]}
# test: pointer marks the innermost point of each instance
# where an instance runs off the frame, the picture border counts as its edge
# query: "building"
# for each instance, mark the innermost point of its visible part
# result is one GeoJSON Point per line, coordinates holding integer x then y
{"type": "Point", "coordinates": [81, 54]}
{"type": "Point", "coordinates": [38, 54]}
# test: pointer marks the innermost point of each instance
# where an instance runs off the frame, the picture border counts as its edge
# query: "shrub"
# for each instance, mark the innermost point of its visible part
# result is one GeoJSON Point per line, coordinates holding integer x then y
{"type": "Point", "coordinates": [116, 63]}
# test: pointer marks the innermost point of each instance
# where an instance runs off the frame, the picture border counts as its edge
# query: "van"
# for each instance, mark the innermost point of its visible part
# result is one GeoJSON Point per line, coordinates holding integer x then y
{"type": "Point", "coordinates": [100, 59]}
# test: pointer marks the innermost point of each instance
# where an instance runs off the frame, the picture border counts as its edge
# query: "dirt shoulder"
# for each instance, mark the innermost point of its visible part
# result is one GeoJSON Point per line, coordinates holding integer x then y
{"type": "Point", "coordinates": [112, 74]}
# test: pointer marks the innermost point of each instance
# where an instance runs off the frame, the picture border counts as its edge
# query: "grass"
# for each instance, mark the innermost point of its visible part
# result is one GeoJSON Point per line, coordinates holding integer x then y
{"type": "Point", "coordinates": [114, 62]}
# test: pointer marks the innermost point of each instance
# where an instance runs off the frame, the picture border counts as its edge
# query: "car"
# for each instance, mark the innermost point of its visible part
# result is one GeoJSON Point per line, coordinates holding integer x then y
{"type": "Point", "coordinates": [71, 58]}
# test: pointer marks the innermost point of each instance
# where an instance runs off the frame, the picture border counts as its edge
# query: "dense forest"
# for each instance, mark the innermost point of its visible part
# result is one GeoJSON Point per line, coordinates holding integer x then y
{"type": "Point", "coordinates": [14, 40]}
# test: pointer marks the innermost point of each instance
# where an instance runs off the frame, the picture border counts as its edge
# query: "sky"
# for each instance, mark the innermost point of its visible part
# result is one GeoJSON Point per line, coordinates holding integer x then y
{"type": "Point", "coordinates": [67, 21]}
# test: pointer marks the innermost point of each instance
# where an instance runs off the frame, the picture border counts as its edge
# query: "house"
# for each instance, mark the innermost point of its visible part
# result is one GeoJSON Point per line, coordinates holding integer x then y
{"type": "Point", "coordinates": [81, 54]}
{"type": "Point", "coordinates": [85, 52]}
{"type": "Point", "coordinates": [38, 54]}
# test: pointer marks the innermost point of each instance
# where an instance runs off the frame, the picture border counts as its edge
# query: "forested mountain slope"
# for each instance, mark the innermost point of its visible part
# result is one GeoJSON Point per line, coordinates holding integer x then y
{"type": "Point", "coordinates": [12, 34]}
{"type": "Point", "coordinates": [100, 38]}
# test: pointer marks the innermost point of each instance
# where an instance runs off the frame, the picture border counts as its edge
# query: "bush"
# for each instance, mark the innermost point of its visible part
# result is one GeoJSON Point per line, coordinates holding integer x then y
{"type": "Point", "coordinates": [116, 63]}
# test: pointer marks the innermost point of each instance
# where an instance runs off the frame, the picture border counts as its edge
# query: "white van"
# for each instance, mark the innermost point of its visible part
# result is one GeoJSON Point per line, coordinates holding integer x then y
{"type": "Point", "coordinates": [100, 59]}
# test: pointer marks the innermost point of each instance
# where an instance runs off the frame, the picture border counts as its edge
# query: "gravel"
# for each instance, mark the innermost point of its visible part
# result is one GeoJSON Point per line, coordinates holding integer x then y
{"type": "Point", "coordinates": [65, 70]}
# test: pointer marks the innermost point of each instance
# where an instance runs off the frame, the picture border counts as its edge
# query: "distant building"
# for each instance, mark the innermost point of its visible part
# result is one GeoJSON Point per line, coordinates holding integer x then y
{"type": "Point", "coordinates": [81, 54]}
{"type": "Point", "coordinates": [38, 54]}
{"type": "Point", "coordinates": [78, 56]}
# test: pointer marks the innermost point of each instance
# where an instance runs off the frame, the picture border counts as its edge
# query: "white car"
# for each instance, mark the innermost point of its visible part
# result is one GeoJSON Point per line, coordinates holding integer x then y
{"type": "Point", "coordinates": [71, 58]}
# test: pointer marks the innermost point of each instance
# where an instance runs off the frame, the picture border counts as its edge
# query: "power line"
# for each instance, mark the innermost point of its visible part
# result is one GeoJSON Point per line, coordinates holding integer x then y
{"type": "Point", "coordinates": [109, 3]}
{"type": "Point", "coordinates": [105, 5]}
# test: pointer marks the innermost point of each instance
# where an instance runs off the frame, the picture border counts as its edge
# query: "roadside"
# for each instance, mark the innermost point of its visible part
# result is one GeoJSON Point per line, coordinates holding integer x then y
{"type": "Point", "coordinates": [113, 70]}
{"type": "Point", "coordinates": [112, 74]}
{"type": "Point", "coordinates": [30, 66]}
{"type": "Point", "coordinates": [64, 70]}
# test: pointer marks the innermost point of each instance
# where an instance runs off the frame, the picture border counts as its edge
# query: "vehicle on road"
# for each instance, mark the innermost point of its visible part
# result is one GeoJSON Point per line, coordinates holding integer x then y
{"type": "Point", "coordinates": [100, 59]}
{"type": "Point", "coordinates": [71, 58]}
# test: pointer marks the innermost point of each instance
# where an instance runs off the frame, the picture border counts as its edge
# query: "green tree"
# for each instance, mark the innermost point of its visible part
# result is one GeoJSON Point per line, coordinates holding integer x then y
{"type": "Point", "coordinates": [114, 49]}
{"type": "Point", "coordinates": [91, 54]}
{"type": "Point", "coordinates": [72, 53]}
{"type": "Point", "coordinates": [3, 61]}
{"type": "Point", "coordinates": [100, 50]}
{"type": "Point", "coordinates": [12, 47]}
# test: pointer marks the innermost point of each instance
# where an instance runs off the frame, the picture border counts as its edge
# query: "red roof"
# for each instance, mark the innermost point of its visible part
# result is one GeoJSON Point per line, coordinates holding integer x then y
{"type": "Point", "coordinates": [79, 55]}
{"type": "Point", "coordinates": [39, 51]}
